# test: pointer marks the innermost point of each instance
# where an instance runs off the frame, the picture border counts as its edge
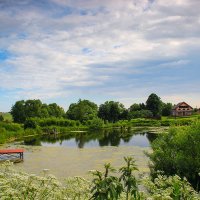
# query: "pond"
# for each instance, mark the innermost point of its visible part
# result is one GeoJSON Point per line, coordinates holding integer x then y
{"type": "Point", "coordinates": [107, 137]}
{"type": "Point", "coordinates": [74, 154]}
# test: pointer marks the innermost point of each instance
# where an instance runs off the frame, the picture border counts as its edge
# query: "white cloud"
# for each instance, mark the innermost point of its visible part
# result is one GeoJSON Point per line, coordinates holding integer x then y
{"type": "Point", "coordinates": [48, 46]}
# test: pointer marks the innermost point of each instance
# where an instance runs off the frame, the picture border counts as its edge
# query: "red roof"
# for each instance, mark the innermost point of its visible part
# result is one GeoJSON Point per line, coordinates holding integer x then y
{"type": "Point", "coordinates": [179, 104]}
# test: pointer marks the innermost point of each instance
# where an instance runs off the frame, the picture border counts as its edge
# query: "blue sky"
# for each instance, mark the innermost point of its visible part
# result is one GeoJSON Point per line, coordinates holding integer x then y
{"type": "Point", "coordinates": [121, 50]}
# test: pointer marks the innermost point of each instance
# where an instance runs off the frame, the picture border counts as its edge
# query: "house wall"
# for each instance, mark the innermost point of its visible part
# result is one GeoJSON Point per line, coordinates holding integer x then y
{"type": "Point", "coordinates": [182, 113]}
{"type": "Point", "coordinates": [182, 110]}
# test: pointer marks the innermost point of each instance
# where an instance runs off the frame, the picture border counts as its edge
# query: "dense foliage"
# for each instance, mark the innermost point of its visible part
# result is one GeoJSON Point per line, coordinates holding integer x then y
{"type": "Point", "coordinates": [112, 111]}
{"type": "Point", "coordinates": [154, 104]}
{"type": "Point", "coordinates": [11, 131]}
{"type": "Point", "coordinates": [83, 111]}
{"type": "Point", "coordinates": [1, 118]}
{"type": "Point", "coordinates": [23, 110]}
{"type": "Point", "coordinates": [166, 109]}
{"type": "Point", "coordinates": [50, 121]}
{"type": "Point", "coordinates": [178, 152]}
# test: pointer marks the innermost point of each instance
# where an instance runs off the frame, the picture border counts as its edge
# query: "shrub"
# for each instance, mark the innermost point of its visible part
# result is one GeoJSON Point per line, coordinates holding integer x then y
{"type": "Point", "coordinates": [53, 121]}
{"type": "Point", "coordinates": [95, 124]}
{"type": "Point", "coordinates": [178, 152]}
{"type": "Point", "coordinates": [30, 123]}
{"type": "Point", "coordinates": [2, 135]}
{"type": "Point", "coordinates": [172, 188]}
{"type": "Point", "coordinates": [10, 126]}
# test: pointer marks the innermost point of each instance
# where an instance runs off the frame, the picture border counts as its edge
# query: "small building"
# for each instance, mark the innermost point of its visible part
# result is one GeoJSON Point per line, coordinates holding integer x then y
{"type": "Point", "coordinates": [182, 109]}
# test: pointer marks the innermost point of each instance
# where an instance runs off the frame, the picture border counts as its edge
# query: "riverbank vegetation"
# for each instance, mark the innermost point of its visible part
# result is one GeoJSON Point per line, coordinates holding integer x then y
{"type": "Point", "coordinates": [113, 184]}
{"type": "Point", "coordinates": [178, 152]}
{"type": "Point", "coordinates": [34, 117]}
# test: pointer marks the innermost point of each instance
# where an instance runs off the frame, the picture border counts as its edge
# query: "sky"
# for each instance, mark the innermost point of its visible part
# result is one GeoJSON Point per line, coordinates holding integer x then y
{"type": "Point", "coordinates": [122, 50]}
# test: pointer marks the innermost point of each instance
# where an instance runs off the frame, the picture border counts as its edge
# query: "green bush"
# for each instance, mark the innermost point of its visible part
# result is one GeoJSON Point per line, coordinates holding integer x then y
{"type": "Point", "coordinates": [30, 123]}
{"type": "Point", "coordinates": [10, 126]}
{"type": "Point", "coordinates": [95, 124]}
{"type": "Point", "coordinates": [178, 152]}
{"type": "Point", "coordinates": [52, 121]}
{"type": "Point", "coordinates": [145, 122]}
{"type": "Point", "coordinates": [170, 188]}
{"type": "Point", "coordinates": [2, 135]}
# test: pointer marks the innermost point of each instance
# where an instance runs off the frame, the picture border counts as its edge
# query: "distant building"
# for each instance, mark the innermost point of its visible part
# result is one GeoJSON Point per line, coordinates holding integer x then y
{"type": "Point", "coordinates": [182, 109]}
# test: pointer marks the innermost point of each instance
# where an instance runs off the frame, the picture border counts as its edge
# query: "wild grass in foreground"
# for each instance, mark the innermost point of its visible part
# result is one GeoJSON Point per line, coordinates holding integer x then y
{"type": "Point", "coordinates": [104, 186]}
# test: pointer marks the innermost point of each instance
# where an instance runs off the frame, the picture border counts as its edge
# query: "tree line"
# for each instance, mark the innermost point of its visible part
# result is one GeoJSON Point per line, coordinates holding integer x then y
{"type": "Point", "coordinates": [85, 110]}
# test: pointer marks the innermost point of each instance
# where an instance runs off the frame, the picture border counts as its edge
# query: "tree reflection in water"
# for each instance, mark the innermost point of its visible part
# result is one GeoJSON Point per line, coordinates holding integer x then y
{"type": "Point", "coordinates": [105, 137]}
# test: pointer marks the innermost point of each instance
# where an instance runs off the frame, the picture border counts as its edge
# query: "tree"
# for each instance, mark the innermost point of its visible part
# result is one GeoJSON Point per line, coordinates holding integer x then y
{"type": "Point", "coordinates": [18, 111]}
{"type": "Point", "coordinates": [23, 110]}
{"type": "Point", "coordinates": [154, 104]}
{"type": "Point", "coordinates": [83, 110]}
{"type": "Point", "coordinates": [134, 107]}
{"type": "Point", "coordinates": [55, 111]}
{"type": "Point", "coordinates": [166, 109]}
{"type": "Point", "coordinates": [140, 114]}
{"type": "Point", "coordinates": [139, 111]}
{"type": "Point", "coordinates": [1, 118]}
{"type": "Point", "coordinates": [33, 108]}
{"type": "Point", "coordinates": [137, 107]}
{"type": "Point", "coordinates": [44, 113]}
{"type": "Point", "coordinates": [111, 111]}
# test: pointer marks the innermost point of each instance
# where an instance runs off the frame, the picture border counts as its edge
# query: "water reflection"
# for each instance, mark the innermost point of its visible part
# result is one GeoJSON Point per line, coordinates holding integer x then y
{"type": "Point", "coordinates": [106, 137]}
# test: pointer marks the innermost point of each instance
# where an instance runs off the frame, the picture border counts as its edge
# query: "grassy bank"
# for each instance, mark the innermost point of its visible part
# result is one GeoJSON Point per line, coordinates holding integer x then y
{"type": "Point", "coordinates": [11, 131]}
{"type": "Point", "coordinates": [37, 126]}
{"type": "Point", "coordinates": [164, 121]}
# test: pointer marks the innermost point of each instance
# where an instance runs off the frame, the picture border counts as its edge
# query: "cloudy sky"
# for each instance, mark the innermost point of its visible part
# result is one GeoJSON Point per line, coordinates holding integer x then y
{"type": "Point", "coordinates": [122, 50]}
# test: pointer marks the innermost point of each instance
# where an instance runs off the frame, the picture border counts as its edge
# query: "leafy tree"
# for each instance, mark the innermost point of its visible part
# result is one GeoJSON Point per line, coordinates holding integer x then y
{"type": "Point", "coordinates": [18, 111]}
{"type": "Point", "coordinates": [111, 111]}
{"type": "Point", "coordinates": [44, 113]}
{"type": "Point", "coordinates": [23, 110]}
{"type": "Point", "coordinates": [140, 114]}
{"type": "Point", "coordinates": [55, 111]}
{"type": "Point", "coordinates": [134, 107]}
{"type": "Point", "coordinates": [139, 111]}
{"type": "Point", "coordinates": [166, 109]}
{"type": "Point", "coordinates": [178, 152]}
{"type": "Point", "coordinates": [1, 118]}
{"type": "Point", "coordinates": [83, 110]}
{"type": "Point", "coordinates": [33, 108]}
{"type": "Point", "coordinates": [154, 104]}
{"type": "Point", "coordinates": [142, 106]}
{"type": "Point", "coordinates": [30, 123]}
{"type": "Point", "coordinates": [137, 107]}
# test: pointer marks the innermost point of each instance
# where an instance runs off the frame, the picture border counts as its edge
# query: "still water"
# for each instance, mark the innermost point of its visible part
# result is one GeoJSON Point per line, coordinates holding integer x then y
{"type": "Point", "coordinates": [108, 137]}
{"type": "Point", "coordinates": [74, 154]}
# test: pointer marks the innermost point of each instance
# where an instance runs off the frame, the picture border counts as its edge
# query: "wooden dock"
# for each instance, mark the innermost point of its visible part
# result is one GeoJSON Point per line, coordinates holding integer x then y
{"type": "Point", "coordinates": [12, 154]}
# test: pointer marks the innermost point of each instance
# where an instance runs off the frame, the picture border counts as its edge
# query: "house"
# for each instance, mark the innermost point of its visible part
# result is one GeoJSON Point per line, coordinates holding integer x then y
{"type": "Point", "coordinates": [182, 109]}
